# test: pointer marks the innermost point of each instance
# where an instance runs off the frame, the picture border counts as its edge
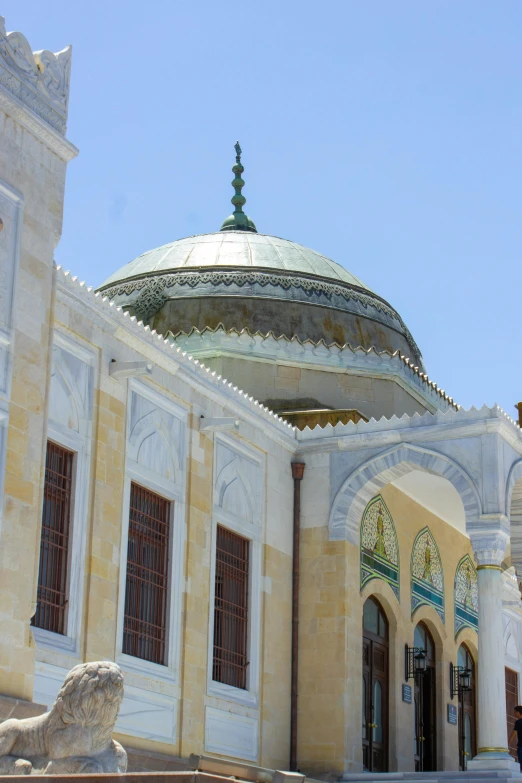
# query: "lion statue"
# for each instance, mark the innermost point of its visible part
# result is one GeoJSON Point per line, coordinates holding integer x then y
{"type": "Point", "coordinates": [76, 735]}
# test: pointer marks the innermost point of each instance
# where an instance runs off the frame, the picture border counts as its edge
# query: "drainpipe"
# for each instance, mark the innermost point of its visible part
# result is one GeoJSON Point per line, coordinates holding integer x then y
{"type": "Point", "coordinates": [297, 475]}
{"type": "Point", "coordinates": [518, 406]}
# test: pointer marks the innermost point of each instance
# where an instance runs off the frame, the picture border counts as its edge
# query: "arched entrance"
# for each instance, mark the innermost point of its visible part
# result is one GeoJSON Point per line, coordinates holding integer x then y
{"type": "Point", "coordinates": [375, 688]}
{"type": "Point", "coordinates": [425, 705]}
{"type": "Point", "coordinates": [467, 715]}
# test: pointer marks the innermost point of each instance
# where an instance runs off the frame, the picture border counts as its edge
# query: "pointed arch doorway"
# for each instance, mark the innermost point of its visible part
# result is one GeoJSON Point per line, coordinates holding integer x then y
{"type": "Point", "coordinates": [375, 688]}
{"type": "Point", "coordinates": [467, 713]}
{"type": "Point", "coordinates": [425, 705]}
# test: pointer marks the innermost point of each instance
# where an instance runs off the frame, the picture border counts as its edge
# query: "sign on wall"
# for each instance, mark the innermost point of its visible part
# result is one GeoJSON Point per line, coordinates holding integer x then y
{"type": "Point", "coordinates": [407, 693]}
{"type": "Point", "coordinates": [452, 714]}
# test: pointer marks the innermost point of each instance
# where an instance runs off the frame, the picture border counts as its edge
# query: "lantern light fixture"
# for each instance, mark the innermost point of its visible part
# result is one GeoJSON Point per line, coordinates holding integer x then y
{"type": "Point", "coordinates": [415, 663]}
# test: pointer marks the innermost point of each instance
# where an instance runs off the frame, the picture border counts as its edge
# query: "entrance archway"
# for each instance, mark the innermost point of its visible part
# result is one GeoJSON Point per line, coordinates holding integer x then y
{"type": "Point", "coordinates": [425, 705]}
{"type": "Point", "coordinates": [467, 711]}
{"type": "Point", "coordinates": [375, 687]}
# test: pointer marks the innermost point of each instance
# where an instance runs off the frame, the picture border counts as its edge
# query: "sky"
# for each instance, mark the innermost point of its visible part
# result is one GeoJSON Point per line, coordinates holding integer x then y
{"type": "Point", "coordinates": [385, 135]}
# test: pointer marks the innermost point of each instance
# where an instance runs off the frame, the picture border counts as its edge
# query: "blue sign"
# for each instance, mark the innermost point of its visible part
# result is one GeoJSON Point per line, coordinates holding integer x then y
{"type": "Point", "coordinates": [406, 693]}
{"type": "Point", "coordinates": [452, 714]}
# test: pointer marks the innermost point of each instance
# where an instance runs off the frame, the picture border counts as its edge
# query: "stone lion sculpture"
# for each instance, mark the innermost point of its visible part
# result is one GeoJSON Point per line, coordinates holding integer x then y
{"type": "Point", "coordinates": [76, 735]}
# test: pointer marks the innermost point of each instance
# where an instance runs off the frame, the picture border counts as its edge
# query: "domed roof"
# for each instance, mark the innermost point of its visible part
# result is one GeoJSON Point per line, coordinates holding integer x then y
{"type": "Point", "coordinates": [234, 249]}
{"type": "Point", "coordinates": [238, 279]}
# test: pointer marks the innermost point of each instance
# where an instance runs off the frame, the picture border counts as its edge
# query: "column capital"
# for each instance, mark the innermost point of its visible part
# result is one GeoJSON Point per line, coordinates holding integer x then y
{"type": "Point", "coordinates": [489, 538]}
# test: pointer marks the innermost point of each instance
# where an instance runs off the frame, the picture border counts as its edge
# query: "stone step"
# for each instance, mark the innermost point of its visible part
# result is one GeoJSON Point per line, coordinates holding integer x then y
{"type": "Point", "coordinates": [471, 776]}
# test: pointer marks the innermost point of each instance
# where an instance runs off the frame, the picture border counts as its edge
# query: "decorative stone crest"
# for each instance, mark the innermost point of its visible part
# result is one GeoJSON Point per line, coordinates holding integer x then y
{"type": "Point", "coordinates": [427, 578]}
{"type": "Point", "coordinates": [40, 80]}
{"type": "Point", "coordinates": [76, 735]}
{"type": "Point", "coordinates": [466, 595]}
{"type": "Point", "coordinates": [379, 547]}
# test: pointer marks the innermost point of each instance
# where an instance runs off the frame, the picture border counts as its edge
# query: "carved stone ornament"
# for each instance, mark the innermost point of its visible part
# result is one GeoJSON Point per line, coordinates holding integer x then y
{"type": "Point", "coordinates": [75, 737]}
{"type": "Point", "coordinates": [40, 80]}
{"type": "Point", "coordinates": [148, 294]}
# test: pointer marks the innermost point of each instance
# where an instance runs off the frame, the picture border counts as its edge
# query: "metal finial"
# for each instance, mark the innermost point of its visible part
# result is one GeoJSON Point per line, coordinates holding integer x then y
{"type": "Point", "coordinates": [238, 221]}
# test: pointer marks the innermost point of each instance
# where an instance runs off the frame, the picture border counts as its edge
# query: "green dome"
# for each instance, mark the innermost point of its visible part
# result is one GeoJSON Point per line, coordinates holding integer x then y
{"type": "Point", "coordinates": [238, 249]}
{"type": "Point", "coordinates": [238, 222]}
{"type": "Point", "coordinates": [239, 279]}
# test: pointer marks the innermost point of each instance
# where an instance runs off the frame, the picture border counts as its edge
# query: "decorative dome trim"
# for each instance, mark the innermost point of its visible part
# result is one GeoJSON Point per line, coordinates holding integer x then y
{"type": "Point", "coordinates": [146, 295]}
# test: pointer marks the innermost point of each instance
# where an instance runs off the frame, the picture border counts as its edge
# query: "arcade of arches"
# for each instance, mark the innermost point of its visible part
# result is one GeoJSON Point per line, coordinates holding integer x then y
{"type": "Point", "coordinates": [411, 583]}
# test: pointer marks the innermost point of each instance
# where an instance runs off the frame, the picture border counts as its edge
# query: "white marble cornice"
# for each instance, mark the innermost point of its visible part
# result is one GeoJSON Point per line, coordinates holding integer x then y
{"type": "Point", "coordinates": [430, 427]}
{"type": "Point", "coordinates": [27, 118]}
{"type": "Point", "coordinates": [211, 343]}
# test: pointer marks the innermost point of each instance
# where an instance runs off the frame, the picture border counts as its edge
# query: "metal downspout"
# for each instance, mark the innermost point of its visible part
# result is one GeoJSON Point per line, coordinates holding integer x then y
{"type": "Point", "coordinates": [297, 475]}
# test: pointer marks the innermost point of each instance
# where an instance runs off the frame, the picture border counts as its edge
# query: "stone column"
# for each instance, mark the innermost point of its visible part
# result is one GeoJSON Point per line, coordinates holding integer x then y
{"type": "Point", "coordinates": [492, 731]}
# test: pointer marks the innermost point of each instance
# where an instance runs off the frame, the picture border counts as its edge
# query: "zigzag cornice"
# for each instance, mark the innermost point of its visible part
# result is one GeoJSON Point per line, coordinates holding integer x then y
{"type": "Point", "coordinates": [455, 418]}
{"type": "Point", "coordinates": [193, 367]}
{"type": "Point", "coordinates": [208, 340]}
{"type": "Point", "coordinates": [148, 293]}
{"type": "Point", "coordinates": [195, 370]}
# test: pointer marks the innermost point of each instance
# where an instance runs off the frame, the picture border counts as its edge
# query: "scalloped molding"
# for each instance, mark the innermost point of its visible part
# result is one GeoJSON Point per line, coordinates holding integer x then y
{"type": "Point", "coordinates": [208, 342]}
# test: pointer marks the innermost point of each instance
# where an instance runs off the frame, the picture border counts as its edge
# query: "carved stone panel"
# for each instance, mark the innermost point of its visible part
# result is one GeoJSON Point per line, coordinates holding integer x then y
{"type": "Point", "coordinates": [10, 228]}
{"type": "Point", "coordinates": [237, 487]}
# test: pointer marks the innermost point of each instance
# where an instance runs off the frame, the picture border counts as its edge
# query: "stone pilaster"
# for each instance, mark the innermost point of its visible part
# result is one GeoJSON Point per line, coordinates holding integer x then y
{"type": "Point", "coordinates": [489, 546]}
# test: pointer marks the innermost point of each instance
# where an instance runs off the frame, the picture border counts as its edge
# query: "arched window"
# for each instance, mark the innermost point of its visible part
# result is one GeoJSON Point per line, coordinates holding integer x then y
{"type": "Point", "coordinates": [374, 619]}
{"type": "Point", "coordinates": [375, 687]}
{"type": "Point", "coordinates": [423, 639]}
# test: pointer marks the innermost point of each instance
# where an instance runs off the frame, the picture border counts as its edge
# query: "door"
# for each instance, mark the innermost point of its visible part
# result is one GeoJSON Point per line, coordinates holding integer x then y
{"type": "Point", "coordinates": [511, 703]}
{"type": "Point", "coordinates": [467, 711]}
{"type": "Point", "coordinates": [375, 688]}
{"type": "Point", "coordinates": [425, 707]}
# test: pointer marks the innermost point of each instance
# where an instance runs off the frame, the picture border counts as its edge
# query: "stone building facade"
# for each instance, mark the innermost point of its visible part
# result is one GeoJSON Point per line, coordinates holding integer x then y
{"type": "Point", "coordinates": [170, 407]}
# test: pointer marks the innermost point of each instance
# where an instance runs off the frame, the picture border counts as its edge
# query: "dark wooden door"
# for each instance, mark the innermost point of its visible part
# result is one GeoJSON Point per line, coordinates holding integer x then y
{"type": "Point", "coordinates": [375, 688]}
{"type": "Point", "coordinates": [375, 705]}
{"type": "Point", "coordinates": [511, 703]}
{"type": "Point", "coordinates": [425, 717]}
{"type": "Point", "coordinates": [467, 712]}
{"type": "Point", "coordinates": [425, 730]}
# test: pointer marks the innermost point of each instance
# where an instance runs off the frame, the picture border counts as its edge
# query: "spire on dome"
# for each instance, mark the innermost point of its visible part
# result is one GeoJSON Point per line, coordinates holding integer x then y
{"type": "Point", "coordinates": [238, 221]}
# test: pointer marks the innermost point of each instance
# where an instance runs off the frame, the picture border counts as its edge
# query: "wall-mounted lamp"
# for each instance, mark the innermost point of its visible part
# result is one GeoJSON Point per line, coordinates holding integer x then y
{"type": "Point", "coordinates": [414, 662]}
{"type": "Point", "coordinates": [120, 370]}
{"type": "Point", "coordinates": [460, 680]}
{"type": "Point", "coordinates": [218, 424]}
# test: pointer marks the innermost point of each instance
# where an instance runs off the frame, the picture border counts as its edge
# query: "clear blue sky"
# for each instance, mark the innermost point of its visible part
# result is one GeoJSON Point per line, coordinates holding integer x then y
{"type": "Point", "coordinates": [386, 135]}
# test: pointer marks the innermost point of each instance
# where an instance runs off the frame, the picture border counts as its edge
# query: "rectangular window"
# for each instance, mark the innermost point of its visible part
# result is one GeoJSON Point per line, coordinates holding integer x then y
{"type": "Point", "coordinates": [54, 546]}
{"type": "Point", "coordinates": [146, 593]}
{"type": "Point", "coordinates": [231, 609]}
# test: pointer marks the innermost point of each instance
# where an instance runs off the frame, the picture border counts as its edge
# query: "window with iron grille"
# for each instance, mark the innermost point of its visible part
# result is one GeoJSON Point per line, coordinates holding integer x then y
{"type": "Point", "coordinates": [231, 609]}
{"type": "Point", "coordinates": [54, 547]}
{"type": "Point", "coordinates": [146, 592]}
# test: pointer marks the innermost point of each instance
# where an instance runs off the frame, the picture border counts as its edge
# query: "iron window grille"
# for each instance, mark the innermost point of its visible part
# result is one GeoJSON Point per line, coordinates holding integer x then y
{"type": "Point", "coordinates": [231, 609]}
{"type": "Point", "coordinates": [147, 582]}
{"type": "Point", "coordinates": [54, 544]}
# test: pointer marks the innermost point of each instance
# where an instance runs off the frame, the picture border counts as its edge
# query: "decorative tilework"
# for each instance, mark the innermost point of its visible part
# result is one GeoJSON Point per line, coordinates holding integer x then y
{"type": "Point", "coordinates": [379, 548]}
{"type": "Point", "coordinates": [427, 580]}
{"type": "Point", "coordinates": [466, 595]}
